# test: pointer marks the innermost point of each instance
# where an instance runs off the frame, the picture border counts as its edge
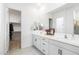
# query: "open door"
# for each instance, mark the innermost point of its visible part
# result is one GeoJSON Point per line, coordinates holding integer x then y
{"type": "Point", "coordinates": [14, 29]}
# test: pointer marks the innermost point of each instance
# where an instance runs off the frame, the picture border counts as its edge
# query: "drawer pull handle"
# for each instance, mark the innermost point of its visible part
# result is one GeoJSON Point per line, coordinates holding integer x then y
{"type": "Point", "coordinates": [43, 39]}
{"type": "Point", "coordinates": [43, 50]}
{"type": "Point", "coordinates": [59, 52]}
{"type": "Point", "coordinates": [35, 39]}
{"type": "Point", "coordinates": [43, 43]}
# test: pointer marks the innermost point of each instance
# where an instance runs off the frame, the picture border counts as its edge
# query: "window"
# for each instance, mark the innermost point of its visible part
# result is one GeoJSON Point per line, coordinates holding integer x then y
{"type": "Point", "coordinates": [60, 24]}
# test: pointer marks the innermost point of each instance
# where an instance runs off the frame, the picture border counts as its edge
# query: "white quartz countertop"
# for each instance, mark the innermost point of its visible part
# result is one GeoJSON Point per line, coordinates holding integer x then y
{"type": "Point", "coordinates": [59, 37]}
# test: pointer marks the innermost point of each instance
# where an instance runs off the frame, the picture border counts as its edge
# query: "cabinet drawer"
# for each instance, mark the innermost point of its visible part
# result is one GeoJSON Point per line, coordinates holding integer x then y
{"type": "Point", "coordinates": [44, 39]}
{"type": "Point", "coordinates": [69, 47]}
{"type": "Point", "coordinates": [45, 51]}
{"type": "Point", "coordinates": [44, 45]}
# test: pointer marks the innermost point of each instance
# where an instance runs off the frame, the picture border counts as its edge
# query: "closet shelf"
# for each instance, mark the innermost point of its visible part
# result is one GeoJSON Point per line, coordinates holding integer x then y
{"type": "Point", "coordinates": [15, 23]}
{"type": "Point", "coordinates": [16, 31]}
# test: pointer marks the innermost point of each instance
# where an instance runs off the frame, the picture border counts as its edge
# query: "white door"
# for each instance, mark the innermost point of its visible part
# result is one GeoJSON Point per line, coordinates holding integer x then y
{"type": "Point", "coordinates": [6, 30]}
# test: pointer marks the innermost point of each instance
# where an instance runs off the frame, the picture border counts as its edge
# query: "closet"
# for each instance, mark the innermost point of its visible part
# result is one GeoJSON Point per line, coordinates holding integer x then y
{"type": "Point", "coordinates": [14, 29]}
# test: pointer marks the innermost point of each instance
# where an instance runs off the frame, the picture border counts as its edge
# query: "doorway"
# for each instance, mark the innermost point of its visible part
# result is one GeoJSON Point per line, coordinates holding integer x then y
{"type": "Point", "coordinates": [14, 29]}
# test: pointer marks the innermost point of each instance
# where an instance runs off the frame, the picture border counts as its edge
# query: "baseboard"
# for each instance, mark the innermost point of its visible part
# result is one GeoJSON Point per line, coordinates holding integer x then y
{"type": "Point", "coordinates": [26, 46]}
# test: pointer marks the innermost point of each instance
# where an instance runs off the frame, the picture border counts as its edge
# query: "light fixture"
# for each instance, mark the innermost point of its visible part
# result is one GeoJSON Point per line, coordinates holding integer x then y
{"type": "Point", "coordinates": [40, 6]}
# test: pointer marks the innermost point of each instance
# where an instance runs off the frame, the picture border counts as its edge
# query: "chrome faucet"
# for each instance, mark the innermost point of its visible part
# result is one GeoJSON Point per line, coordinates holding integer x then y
{"type": "Point", "coordinates": [65, 36]}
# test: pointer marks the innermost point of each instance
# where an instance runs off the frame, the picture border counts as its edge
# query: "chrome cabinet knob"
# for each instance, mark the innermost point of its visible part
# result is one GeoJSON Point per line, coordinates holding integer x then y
{"type": "Point", "coordinates": [59, 51]}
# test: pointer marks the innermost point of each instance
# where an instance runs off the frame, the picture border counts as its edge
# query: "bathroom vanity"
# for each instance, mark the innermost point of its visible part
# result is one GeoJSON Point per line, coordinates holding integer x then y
{"type": "Point", "coordinates": [56, 44]}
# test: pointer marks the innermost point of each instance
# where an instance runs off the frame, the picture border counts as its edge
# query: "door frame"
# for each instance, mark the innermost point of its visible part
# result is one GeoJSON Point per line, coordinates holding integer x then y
{"type": "Point", "coordinates": [8, 40]}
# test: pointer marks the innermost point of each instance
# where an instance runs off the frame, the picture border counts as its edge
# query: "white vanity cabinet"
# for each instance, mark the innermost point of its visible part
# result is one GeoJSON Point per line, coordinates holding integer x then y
{"type": "Point", "coordinates": [53, 46]}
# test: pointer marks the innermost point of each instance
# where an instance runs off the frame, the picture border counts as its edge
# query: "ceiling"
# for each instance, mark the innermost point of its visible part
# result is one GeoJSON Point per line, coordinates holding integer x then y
{"type": "Point", "coordinates": [47, 6]}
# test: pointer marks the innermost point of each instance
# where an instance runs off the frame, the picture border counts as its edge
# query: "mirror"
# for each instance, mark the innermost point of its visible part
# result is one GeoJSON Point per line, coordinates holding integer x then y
{"type": "Point", "coordinates": [66, 20]}
{"type": "Point", "coordinates": [76, 26]}
{"type": "Point", "coordinates": [76, 21]}
{"type": "Point", "coordinates": [50, 23]}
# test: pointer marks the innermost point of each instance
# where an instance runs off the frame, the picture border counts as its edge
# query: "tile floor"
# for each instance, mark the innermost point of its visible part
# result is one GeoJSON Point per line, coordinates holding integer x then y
{"type": "Point", "coordinates": [25, 51]}
{"type": "Point", "coordinates": [15, 43]}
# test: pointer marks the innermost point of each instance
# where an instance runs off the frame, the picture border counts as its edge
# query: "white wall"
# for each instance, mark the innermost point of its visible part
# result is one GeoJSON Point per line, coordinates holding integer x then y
{"type": "Point", "coordinates": [29, 16]}
{"type": "Point", "coordinates": [69, 19]}
{"type": "Point", "coordinates": [2, 31]}
{"type": "Point", "coordinates": [27, 19]}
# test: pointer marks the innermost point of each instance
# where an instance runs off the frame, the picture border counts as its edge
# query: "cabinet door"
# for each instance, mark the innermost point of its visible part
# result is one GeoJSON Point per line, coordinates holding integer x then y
{"type": "Point", "coordinates": [36, 41]}
{"type": "Point", "coordinates": [53, 50]}
{"type": "Point", "coordinates": [67, 52]}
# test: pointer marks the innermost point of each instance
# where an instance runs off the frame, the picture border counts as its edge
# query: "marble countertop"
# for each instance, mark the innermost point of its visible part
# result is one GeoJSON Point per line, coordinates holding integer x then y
{"type": "Point", "coordinates": [59, 37]}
